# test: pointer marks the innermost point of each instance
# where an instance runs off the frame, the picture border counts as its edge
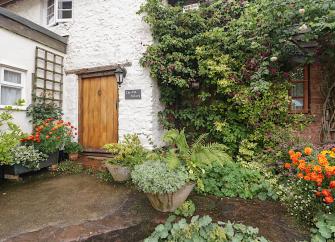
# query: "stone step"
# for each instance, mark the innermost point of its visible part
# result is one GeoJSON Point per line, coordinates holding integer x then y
{"type": "Point", "coordinates": [93, 162]}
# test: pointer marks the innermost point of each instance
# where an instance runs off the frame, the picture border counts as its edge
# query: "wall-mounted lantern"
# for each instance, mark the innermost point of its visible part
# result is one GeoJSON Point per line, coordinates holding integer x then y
{"type": "Point", "coordinates": [120, 74]}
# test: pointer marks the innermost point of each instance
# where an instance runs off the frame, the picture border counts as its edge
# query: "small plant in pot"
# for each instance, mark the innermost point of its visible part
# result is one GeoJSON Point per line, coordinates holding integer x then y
{"type": "Point", "coordinates": [126, 155]}
{"type": "Point", "coordinates": [165, 188]}
{"type": "Point", "coordinates": [168, 184]}
{"type": "Point", "coordinates": [73, 149]}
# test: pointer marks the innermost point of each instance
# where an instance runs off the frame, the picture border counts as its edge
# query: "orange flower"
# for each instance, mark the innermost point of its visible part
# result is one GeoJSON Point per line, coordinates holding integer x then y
{"type": "Point", "coordinates": [308, 150]}
{"type": "Point", "coordinates": [291, 152]}
{"type": "Point", "coordinates": [322, 160]}
{"type": "Point", "coordinates": [302, 166]}
{"type": "Point", "coordinates": [326, 193]}
{"type": "Point", "coordinates": [300, 175]}
{"type": "Point", "coordinates": [317, 169]}
{"type": "Point", "coordinates": [332, 184]}
{"type": "Point", "coordinates": [298, 154]}
{"type": "Point", "coordinates": [318, 194]}
{"type": "Point", "coordinates": [287, 165]}
{"type": "Point", "coordinates": [329, 199]}
{"type": "Point", "coordinates": [307, 178]}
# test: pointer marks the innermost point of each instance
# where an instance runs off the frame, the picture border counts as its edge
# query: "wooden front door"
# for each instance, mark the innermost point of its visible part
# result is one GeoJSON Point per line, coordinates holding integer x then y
{"type": "Point", "coordinates": [98, 112]}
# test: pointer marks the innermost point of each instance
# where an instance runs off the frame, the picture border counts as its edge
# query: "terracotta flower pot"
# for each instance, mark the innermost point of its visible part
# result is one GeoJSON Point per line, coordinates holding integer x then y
{"type": "Point", "coordinates": [169, 202]}
{"type": "Point", "coordinates": [118, 172]}
{"type": "Point", "coordinates": [73, 156]}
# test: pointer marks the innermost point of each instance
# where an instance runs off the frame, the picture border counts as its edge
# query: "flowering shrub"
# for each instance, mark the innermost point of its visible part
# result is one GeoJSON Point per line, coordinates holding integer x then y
{"type": "Point", "coordinates": [316, 168]}
{"type": "Point", "coordinates": [51, 135]}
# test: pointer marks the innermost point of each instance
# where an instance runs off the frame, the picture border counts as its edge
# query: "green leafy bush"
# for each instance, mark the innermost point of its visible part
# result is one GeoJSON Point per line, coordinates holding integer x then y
{"type": "Point", "coordinates": [203, 229]}
{"type": "Point", "coordinates": [186, 210]}
{"type": "Point", "coordinates": [73, 147]}
{"type": "Point", "coordinates": [28, 156]}
{"type": "Point", "coordinates": [9, 136]}
{"type": "Point", "coordinates": [128, 153]}
{"type": "Point", "coordinates": [156, 177]}
{"type": "Point", "coordinates": [40, 111]}
{"type": "Point", "coordinates": [196, 157]}
{"type": "Point", "coordinates": [233, 180]}
{"type": "Point", "coordinates": [325, 228]}
{"type": "Point", "coordinates": [70, 167]}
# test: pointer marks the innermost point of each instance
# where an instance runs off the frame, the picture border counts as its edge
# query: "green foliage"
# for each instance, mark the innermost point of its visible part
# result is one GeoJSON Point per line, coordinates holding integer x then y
{"type": "Point", "coordinates": [325, 228]}
{"type": "Point", "coordinates": [40, 111]}
{"type": "Point", "coordinates": [301, 203]}
{"type": "Point", "coordinates": [70, 168]}
{"type": "Point", "coordinates": [186, 210]}
{"type": "Point", "coordinates": [196, 157]}
{"type": "Point", "coordinates": [241, 54]}
{"type": "Point", "coordinates": [73, 147]}
{"type": "Point", "coordinates": [104, 176]}
{"type": "Point", "coordinates": [202, 230]}
{"type": "Point", "coordinates": [128, 153]}
{"type": "Point", "coordinates": [233, 180]}
{"type": "Point", "coordinates": [156, 177]}
{"type": "Point", "coordinates": [9, 136]}
{"type": "Point", "coordinates": [28, 156]}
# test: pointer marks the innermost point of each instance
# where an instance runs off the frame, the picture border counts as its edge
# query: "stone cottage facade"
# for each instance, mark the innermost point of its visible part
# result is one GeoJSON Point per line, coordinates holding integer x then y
{"type": "Point", "coordinates": [102, 36]}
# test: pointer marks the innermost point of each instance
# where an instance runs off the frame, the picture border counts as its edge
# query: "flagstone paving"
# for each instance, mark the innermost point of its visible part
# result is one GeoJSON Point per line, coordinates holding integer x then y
{"type": "Point", "coordinates": [81, 208]}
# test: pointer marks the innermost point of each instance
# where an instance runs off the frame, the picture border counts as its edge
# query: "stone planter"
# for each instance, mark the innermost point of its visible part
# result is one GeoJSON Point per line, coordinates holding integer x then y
{"type": "Point", "coordinates": [169, 202]}
{"type": "Point", "coordinates": [19, 169]}
{"type": "Point", "coordinates": [118, 172]}
{"type": "Point", "coordinates": [73, 156]}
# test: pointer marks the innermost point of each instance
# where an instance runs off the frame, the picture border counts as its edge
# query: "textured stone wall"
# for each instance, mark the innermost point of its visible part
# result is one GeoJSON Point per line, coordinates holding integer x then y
{"type": "Point", "coordinates": [104, 33]}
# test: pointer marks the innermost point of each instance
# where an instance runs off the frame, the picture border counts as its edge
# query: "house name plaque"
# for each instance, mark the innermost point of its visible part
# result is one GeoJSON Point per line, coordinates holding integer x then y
{"type": "Point", "coordinates": [133, 94]}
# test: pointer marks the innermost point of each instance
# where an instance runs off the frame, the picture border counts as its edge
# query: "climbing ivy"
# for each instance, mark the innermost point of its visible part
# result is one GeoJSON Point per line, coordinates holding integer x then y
{"type": "Point", "coordinates": [241, 53]}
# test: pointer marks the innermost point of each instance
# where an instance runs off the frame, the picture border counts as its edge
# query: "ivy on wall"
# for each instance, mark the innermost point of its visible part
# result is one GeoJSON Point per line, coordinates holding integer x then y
{"type": "Point", "coordinates": [240, 53]}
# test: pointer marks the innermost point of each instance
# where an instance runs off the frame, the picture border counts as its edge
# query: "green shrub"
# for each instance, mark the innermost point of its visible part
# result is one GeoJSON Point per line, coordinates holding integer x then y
{"type": "Point", "coordinates": [233, 180]}
{"type": "Point", "coordinates": [28, 156]}
{"type": "Point", "coordinates": [70, 167]}
{"type": "Point", "coordinates": [156, 177]}
{"type": "Point", "coordinates": [128, 153]}
{"type": "Point", "coordinates": [195, 157]}
{"type": "Point", "coordinates": [325, 228]}
{"type": "Point", "coordinates": [73, 147]}
{"type": "Point", "coordinates": [41, 110]}
{"type": "Point", "coordinates": [203, 229]}
{"type": "Point", "coordinates": [186, 210]}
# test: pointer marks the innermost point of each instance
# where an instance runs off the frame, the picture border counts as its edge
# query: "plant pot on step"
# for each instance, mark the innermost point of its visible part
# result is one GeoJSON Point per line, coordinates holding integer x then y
{"type": "Point", "coordinates": [118, 172]}
{"type": "Point", "coordinates": [73, 156]}
{"type": "Point", "coordinates": [169, 202]}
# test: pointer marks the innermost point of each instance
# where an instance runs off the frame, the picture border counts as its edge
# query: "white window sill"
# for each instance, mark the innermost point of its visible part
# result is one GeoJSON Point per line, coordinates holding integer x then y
{"type": "Point", "coordinates": [14, 108]}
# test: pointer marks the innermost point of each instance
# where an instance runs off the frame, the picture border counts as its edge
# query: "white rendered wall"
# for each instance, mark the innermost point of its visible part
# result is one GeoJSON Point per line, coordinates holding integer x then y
{"type": "Point", "coordinates": [19, 52]}
{"type": "Point", "coordinates": [105, 33]}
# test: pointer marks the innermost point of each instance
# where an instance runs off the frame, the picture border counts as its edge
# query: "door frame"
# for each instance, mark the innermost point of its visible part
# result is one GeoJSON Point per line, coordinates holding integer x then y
{"type": "Point", "coordinates": [80, 99]}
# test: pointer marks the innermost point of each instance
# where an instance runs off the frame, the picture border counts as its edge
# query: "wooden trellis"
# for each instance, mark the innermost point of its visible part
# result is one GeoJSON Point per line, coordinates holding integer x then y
{"type": "Point", "coordinates": [48, 81]}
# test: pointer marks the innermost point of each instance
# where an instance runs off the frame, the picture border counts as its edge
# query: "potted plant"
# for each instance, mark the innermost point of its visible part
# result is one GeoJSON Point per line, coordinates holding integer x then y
{"type": "Point", "coordinates": [126, 155]}
{"type": "Point", "coordinates": [73, 149]}
{"type": "Point", "coordinates": [26, 159]}
{"type": "Point", "coordinates": [165, 188]}
{"type": "Point", "coordinates": [49, 137]}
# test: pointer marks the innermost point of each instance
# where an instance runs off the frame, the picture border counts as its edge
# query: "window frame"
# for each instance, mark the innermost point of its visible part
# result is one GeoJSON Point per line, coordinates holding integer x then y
{"type": "Point", "coordinates": [21, 86]}
{"type": "Point", "coordinates": [56, 19]}
{"type": "Point", "coordinates": [305, 96]}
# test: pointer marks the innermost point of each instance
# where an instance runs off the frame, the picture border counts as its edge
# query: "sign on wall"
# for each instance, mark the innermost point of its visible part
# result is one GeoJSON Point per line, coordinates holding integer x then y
{"type": "Point", "coordinates": [133, 94]}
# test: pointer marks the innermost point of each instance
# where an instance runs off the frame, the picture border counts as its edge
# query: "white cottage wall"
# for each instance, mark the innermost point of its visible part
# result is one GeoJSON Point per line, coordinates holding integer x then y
{"type": "Point", "coordinates": [104, 33]}
{"type": "Point", "coordinates": [19, 52]}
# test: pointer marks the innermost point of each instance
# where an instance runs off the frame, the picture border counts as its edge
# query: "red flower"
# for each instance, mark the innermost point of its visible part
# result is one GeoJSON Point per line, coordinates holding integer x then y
{"type": "Point", "coordinates": [332, 184]}
{"type": "Point", "coordinates": [326, 193]}
{"type": "Point", "coordinates": [47, 137]}
{"type": "Point", "coordinates": [329, 199]}
{"type": "Point", "coordinates": [318, 194]}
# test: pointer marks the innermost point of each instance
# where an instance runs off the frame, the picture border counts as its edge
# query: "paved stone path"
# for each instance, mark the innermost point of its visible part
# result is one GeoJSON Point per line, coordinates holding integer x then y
{"type": "Point", "coordinates": [80, 208]}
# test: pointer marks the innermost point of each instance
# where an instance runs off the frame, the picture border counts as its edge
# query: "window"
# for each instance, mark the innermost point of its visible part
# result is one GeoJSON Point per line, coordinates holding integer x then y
{"type": "Point", "coordinates": [299, 90]}
{"type": "Point", "coordinates": [11, 86]}
{"type": "Point", "coordinates": [58, 11]}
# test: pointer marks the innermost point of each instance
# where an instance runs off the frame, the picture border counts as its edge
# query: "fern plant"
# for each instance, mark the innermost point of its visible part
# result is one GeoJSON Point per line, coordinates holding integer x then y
{"type": "Point", "coordinates": [196, 157]}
